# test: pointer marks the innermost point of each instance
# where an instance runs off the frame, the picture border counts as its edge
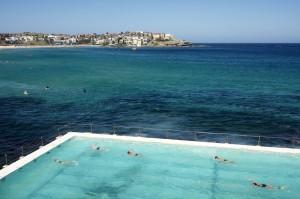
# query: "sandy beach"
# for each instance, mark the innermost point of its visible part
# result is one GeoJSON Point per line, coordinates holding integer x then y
{"type": "Point", "coordinates": [57, 46]}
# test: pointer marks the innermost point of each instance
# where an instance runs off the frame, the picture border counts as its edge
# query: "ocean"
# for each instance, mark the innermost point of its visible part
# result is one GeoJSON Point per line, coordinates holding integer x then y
{"type": "Point", "coordinates": [248, 89]}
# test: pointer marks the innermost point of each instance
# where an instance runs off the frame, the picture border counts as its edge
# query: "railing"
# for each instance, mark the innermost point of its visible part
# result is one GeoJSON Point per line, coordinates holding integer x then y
{"type": "Point", "coordinates": [28, 147]}
{"type": "Point", "coordinates": [231, 138]}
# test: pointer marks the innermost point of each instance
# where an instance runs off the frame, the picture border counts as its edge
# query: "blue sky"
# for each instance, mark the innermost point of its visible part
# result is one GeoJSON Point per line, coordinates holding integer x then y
{"type": "Point", "coordinates": [195, 20]}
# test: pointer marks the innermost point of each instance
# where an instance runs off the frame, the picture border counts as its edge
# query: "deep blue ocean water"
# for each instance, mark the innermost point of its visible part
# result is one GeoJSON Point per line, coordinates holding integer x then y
{"type": "Point", "coordinates": [251, 89]}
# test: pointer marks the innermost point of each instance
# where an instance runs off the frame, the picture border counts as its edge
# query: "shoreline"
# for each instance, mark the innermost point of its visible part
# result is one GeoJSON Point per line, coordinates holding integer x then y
{"type": "Point", "coordinates": [82, 46]}
{"type": "Point", "coordinates": [58, 46]}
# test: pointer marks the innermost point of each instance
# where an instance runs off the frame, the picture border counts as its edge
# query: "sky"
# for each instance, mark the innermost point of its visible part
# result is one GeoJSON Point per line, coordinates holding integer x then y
{"type": "Point", "coordinates": [204, 21]}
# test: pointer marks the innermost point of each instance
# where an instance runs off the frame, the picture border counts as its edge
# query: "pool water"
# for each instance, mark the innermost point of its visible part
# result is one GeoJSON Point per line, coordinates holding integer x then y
{"type": "Point", "coordinates": [161, 171]}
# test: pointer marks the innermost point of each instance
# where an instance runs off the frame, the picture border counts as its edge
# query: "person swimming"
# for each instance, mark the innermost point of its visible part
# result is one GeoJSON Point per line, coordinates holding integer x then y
{"type": "Point", "coordinates": [58, 161]}
{"type": "Point", "coordinates": [132, 153]}
{"type": "Point", "coordinates": [66, 162]}
{"type": "Point", "coordinates": [98, 148]}
{"type": "Point", "coordinates": [47, 87]}
{"type": "Point", "coordinates": [84, 90]}
{"type": "Point", "coordinates": [262, 185]}
{"type": "Point", "coordinates": [223, 160]}
{"type": "Point", "coordinates": [25, 92]}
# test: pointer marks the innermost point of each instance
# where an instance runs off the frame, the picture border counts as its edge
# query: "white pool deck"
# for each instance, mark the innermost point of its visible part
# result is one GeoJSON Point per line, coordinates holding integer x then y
{"type": "Point", "coordinates": [44, 149]}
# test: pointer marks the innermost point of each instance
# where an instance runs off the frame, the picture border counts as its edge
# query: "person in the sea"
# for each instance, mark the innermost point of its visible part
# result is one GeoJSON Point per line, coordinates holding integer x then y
{"type": "Point", "coordinates": [223, 160]}
{"type": "Point", "coordinates": [47, 87]}
{"type": "Point", "coordinates": [132, 153]}
{"type": "Point", "coordinates": [84, 90]}
{"type": "Point", "coordinates": [262, 185]}
{"type": "Point", "coordinates": [65, 162]}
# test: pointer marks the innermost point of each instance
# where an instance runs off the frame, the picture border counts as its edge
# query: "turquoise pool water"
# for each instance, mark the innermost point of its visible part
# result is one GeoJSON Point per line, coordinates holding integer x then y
{"type": "Point", "coordinates": [162, 171]}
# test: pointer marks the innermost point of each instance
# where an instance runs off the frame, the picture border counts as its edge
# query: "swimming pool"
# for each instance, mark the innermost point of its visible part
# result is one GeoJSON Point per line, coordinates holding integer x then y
{"type": "Point", "coordinates": [163, 169]}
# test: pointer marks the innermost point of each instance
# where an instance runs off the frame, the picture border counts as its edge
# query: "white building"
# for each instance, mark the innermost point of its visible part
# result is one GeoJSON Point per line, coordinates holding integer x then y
{"type": "Point", "coordinates": [26, 38]}
{"type": "Point", "coordinates": [99, 41]}
{"type": "Point", "coordinates": [144, 41]}
{"type": "Point", "coordinates": [136, 41]}
{"type": "Point", "coordinates": [156, 36]}
{"type": "Point", "coordinates": [169, 37]}
{"type": "Point", "coordinates": [72, 41]}
{"type": "Point", "coordinates": [11, 39]}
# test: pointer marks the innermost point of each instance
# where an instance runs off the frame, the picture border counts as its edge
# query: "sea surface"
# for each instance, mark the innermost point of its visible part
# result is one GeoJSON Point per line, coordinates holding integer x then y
{"type": "Point", "coordinates": [248, 89]}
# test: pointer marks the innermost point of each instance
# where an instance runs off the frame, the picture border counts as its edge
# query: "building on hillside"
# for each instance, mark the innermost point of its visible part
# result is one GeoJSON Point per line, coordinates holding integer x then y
{"type": "Point", "coordinates": [26, 38]}
{"type": "Point", "coordinates": [155, 36]}
{"type": "Point", "coordinates": [11, 40]}
{"type": "Point", "coordinates": [168, 37]}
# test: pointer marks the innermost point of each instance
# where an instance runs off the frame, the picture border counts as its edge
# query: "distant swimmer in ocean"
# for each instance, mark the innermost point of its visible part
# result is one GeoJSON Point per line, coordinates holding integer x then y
{"type": "Point", "coordinates": [132, 153]}
{"type": "Point", "coordinates": [65, 162]}
{"type": "Point", "coordinates": [84, 90]}
{"type": "Point", "coordinates": [25, 92]}
{"type": "Point", "coordinates": [98, 148]}
{"type": "Point", "coordinates": [262, 185]}
{"type": "Point", "coordinates": [47, 87]}
{"type": "Point", "coordinates": [223, 160]}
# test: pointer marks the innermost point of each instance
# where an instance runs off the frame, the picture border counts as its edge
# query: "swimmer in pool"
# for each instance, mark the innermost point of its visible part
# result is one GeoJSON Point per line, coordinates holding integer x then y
{"type": "Point", "coordinates": [132, 153]}
{"type": "Point", "coordinates": [98, 148]}
{"type": "Point", "coordinates": [66, 163]}
{"type": "Point", "coordinates": [223, 160]}
{"type": "Point", "coordinates": [262, 185]}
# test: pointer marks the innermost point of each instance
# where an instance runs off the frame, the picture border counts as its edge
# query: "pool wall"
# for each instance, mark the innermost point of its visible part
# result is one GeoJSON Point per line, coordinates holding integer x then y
{"type": "Point", "coordinates": [44, 149]}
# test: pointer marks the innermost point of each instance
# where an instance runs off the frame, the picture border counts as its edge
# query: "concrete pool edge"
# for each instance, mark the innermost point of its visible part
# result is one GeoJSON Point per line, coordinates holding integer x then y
{"type": "Point", "coordinates": [34, 155]}
{"type": "Point", "coordinates": [44, 149]}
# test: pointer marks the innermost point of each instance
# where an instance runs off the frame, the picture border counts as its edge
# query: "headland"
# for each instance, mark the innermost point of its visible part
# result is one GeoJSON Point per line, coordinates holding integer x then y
{"type": "Point", "coordinates": [122, 39]}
